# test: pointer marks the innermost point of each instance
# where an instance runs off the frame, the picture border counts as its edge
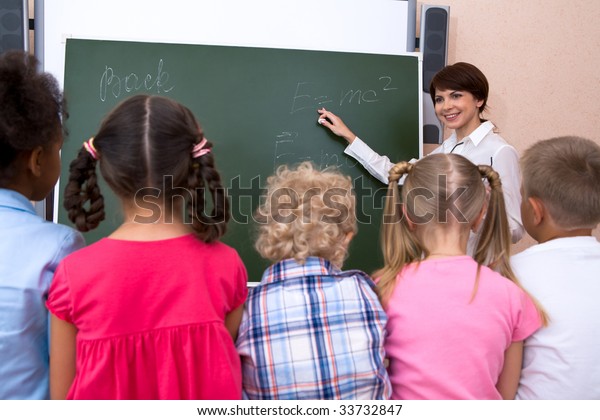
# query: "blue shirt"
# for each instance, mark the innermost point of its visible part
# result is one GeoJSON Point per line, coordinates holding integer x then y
{"type": "Point", "coordinates": [312, 332]}
{"type": "Point", "coordinates": [30, 250]}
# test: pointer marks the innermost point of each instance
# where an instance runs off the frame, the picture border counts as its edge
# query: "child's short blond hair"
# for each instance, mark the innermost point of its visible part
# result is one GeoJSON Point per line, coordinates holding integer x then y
{"type": "Point", "coordinates": [564, 172]}
{"type": "Point", "coordinates": [306, 212]}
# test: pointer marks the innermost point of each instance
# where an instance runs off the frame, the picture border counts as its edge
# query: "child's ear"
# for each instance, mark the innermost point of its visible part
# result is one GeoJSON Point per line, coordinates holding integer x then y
{"type": "Point", "coordinates": [538, 210]}
{"type": "Point", "coordinates": [411, 225]}
{"type": "Point", "coordinates": [348, 238]}
{"type": "Point", "coordinates": [34, 163]}
{"type": "Point", "coordinates": [479, 219]}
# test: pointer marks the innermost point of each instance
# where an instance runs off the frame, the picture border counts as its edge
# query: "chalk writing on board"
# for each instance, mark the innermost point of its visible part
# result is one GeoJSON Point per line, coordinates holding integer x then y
{"type": "Point", "coordinates": [307, 95]}
{"type": "Point", "coordinates": [286, 153]}
{"type": "Point", "coordinates": [329, 159]}
{"type": "Point", "coordinates": [113, 84]}
{"type": "Point", "coordinates": [283, 152]}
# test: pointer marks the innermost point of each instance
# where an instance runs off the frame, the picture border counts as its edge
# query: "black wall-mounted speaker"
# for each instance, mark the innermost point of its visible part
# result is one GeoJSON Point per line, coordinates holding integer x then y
{"type": "Point", "coordinates": [14, 25]}
{"type": "Point", "coordinates": [433, 45]}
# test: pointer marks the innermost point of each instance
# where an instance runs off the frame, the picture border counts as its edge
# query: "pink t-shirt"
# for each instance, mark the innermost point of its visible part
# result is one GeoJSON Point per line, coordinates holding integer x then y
{"type": "Point", "coordinates": [151, 318]}
{"type": "Point", "coordinates": [441, 345]}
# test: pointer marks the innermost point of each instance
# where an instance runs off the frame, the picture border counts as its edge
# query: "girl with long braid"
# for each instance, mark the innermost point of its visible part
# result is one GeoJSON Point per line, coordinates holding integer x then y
{"type": "Point", "coordinates": [151, 311]}
{"type": "Point", "coordinates": [456, 323]}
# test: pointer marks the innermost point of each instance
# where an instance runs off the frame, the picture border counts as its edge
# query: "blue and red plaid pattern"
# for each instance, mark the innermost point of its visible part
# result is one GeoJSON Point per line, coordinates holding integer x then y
{"type": "Point", "coordinates": [313, 332]}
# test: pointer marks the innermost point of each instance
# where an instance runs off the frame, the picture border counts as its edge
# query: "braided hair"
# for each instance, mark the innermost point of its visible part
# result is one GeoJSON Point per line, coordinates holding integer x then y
{"type": "Point", "coordinates": [145, 147]}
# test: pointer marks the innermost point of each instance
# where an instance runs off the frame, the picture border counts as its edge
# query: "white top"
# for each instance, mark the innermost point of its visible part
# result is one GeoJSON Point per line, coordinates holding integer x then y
{"type": "Point", "coordinates": [482, 147]}
{"type": "Point", "coordinates": [562, 361]}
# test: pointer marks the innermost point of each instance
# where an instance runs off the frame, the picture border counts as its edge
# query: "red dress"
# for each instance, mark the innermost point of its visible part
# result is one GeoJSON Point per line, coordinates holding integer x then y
{"type": "Point", "coordinates": [150, 318]}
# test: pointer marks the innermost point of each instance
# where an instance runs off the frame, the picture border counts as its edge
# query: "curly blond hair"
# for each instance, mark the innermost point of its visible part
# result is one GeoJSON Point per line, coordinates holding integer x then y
{"type": "Point", "coordinates": [306, 212]}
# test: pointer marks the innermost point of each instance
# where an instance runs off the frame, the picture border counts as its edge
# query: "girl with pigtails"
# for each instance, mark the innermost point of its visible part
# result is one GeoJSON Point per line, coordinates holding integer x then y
{"type": "Point", "coordinates": [456, 323]}
{"type": "Point", "coordinates": [151, 311]}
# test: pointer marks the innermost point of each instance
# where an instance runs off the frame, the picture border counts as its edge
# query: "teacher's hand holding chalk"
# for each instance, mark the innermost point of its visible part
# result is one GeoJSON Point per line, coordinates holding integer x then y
{"type": "Point", "coordinates": [335, 124]}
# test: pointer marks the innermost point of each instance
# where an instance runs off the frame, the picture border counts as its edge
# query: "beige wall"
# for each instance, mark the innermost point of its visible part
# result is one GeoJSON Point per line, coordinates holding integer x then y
{"type": "Point", "coordinates": [542, 59]}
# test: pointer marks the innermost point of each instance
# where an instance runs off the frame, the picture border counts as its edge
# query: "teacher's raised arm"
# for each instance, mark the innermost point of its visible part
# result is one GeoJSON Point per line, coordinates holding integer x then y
{"type": "Point", "coordinates": [335, 124]}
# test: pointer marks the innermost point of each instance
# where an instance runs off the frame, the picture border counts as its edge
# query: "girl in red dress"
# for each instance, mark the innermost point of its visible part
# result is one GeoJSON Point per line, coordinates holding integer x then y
{"type": "Point", "coordinates": [151, 311]}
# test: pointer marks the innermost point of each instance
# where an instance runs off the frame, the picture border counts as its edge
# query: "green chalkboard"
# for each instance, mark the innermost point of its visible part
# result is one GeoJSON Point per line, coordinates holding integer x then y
{"type": "Point", "coordinates": [258, 106]}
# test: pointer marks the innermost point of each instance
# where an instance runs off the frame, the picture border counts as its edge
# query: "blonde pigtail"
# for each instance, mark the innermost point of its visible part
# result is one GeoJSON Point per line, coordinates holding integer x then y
{"type": "Point", "coordinates": [398, 244]}
{"type": "Point", "coordinates": [493, 247]}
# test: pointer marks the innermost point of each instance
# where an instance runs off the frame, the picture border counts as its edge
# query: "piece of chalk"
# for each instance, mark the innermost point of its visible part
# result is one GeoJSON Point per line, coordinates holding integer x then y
{"type": "Point", "coordinates": [321, 121]}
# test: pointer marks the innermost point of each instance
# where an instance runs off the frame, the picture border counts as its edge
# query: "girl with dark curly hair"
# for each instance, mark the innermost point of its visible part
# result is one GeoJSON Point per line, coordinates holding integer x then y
{"type": "Point", "coordinates": [32, 108]}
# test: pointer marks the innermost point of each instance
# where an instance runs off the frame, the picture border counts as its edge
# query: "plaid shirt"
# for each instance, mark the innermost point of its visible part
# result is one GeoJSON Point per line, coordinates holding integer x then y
{"type": "Point", "coordinates": [313, 332]}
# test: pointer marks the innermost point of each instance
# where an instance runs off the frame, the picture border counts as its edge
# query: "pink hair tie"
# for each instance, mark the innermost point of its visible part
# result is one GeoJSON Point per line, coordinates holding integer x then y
{"type": "Point", "coordinates": [198, 150]}
{"type": "Point", "coordinates": [89, 146]}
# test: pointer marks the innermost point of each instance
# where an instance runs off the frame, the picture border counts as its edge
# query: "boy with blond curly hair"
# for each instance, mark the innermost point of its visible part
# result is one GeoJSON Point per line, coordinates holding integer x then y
{"type": "Point", "coordinates": [309, 330]}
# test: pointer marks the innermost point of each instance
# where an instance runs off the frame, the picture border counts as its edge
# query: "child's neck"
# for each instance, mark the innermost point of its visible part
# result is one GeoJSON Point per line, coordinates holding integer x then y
{"type": "Point", "coordinates": [548, 229]}
{"type": "Point", "coordinates": [22, 184]}
{"type": "Point", "coordinates": [140, 225]}
{"type": "Point", "coordinates": [447, 243]}
{"type": "Point", "coordinates": [550, 234]}
{"type": "Point", "coordinates": [134, 231]}
{"type": "Point", "coordinates": [445, 252]}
